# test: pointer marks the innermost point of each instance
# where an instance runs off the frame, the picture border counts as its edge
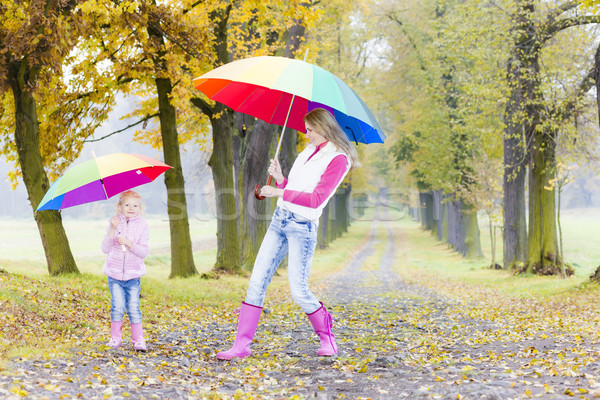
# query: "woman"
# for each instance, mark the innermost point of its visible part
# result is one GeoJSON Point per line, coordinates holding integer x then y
{"type": "Point", "coordinates": [312, 181]}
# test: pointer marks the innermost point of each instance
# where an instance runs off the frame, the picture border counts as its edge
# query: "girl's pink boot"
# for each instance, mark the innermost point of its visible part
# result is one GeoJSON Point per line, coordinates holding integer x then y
{"type": "Point", "coordinates": [115, 334]}
{"type": "Point", "coordinates": [137, 337]}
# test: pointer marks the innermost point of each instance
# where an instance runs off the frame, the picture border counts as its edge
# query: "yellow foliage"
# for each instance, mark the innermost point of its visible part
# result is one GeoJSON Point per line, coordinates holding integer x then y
{"type": "Point", "coordinates": [39, 44]}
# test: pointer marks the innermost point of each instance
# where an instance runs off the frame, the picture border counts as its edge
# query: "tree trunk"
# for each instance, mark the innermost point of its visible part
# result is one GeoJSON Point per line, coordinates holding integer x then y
{"type": "Point", "coordinates": [426, 210]}
{"type": "Point", "coordinates": [438, 228]}
{"type": "Point", "coordinates": [221, 163]}
{"type": "Point", "coordinates": [332, 228]}
{"type": "Point", "coordinates": [521, 82]}
{"type": "Point", "coordinates": [27, 139]}
{"type": "Point", "coordinates": [444, 218]}
{"type": "Point", "coordinates": [182, 257]}
{"type": "Point", "coordinates": [515, 227]}
{"type": "Point", "coordinates": [453, 224]}
{"type": "Point", "coordinates": [525, 115]}
{"type": "Point", "coordinates": [340, 211]}
{"type": "Point", "coordinates": [257, 213]}
{"type": "Point", "coordinates": [343, 214]}
{"type": "Point", "coordinates": [560, 236]}
{"type": "Point", "coordinates": [492, 241]}
{"type": "Point", "coordinates": [472, 240]}
{"type": "Point", "coordinates": [463, 229]}
{"type": "Point", "coordinates": [542, 241]}
{"type": "Point", "coordinates": [322, 234]}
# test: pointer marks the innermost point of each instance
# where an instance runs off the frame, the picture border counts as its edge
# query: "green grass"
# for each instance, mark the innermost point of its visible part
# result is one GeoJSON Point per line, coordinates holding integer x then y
{"type": "Point", "coordinates": [581, 239]}
{"type": "Point", "coordinates": [434, 260]}
{"type": "Point", "coordinates": [21, 249]}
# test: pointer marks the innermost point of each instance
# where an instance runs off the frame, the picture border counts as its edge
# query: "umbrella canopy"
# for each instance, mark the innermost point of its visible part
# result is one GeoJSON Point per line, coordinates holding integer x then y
{"type": "Point", "coordinates": [265, 86]}
{"type": "Point", "coordinates": [101, 178]}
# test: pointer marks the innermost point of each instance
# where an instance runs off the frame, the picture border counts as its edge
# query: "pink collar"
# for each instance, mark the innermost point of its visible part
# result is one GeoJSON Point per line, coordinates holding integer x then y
{"type": "Point", "coordinates": [319, 147]}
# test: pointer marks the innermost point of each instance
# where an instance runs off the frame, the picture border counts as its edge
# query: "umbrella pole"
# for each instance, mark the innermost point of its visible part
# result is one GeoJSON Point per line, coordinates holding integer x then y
{"type": "Point", "coordinates": [101, 181]}
{"type": "Point", "coordinates": [270, 179]}
{"type": "Point", "coordinates": [123, 248]}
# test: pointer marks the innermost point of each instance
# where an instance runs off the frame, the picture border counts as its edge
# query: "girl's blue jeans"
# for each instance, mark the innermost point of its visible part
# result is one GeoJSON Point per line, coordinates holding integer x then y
{"type": "Point", "coordinates": [297, 237]}
{"type": "Point", "coordinates": [125, 295]}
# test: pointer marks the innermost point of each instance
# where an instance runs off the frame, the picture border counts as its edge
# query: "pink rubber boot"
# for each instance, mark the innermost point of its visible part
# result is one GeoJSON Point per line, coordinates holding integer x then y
{"type": "Point", "coordinates": [247, 323]}
{"type": "Point", "coordinates": [115, 334]}
{"type": "Point", "coordinates": [322, 322]}
{"type": "Point", "coordinates": [137, 337]}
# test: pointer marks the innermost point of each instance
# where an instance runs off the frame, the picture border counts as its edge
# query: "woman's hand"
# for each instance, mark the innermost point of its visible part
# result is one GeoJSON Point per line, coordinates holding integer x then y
{"type": "Point", "coordinates": [270, 191]}
{"type": "Point", "coordinates": [275, 172]}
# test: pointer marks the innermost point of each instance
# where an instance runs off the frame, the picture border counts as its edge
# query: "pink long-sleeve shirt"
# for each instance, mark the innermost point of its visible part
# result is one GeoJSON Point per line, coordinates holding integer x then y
{"type": "Point", "coordinates": [329, 182]}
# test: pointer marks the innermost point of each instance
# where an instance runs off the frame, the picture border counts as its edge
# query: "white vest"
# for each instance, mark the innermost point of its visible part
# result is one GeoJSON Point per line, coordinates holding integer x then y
{"type": "Point", "coordinates": [305, 175]}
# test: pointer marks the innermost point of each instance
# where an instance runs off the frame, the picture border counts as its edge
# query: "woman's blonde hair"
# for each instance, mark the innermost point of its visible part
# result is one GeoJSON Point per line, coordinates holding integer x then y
{"type": "Point", "coordinates": [325, 125]}
{"type": "Point", "coordinates": [130, 193]}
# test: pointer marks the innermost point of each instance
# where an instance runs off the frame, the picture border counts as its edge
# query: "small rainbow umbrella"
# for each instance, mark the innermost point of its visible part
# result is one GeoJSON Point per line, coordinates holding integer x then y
{"type": "Point", "coordinates": [282, 90]}
{"type": "Point", "coordinates": [101, 178]}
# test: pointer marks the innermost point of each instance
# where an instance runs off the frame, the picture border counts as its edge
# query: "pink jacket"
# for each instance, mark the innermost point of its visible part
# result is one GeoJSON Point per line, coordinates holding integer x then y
{"type": "Point", "coordinates": [127, 265]}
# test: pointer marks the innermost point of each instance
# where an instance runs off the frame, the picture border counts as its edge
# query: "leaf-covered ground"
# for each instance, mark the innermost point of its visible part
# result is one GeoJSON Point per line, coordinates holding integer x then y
{"type": "Point", "coordinates": [402, 333]}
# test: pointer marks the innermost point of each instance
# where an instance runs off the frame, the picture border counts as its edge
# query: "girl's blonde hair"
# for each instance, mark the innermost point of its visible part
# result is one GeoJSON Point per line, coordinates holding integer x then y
{"type": "Point", "coordinates": [325, 125]}
{"type": "Point", "coordinates": [130, 193]}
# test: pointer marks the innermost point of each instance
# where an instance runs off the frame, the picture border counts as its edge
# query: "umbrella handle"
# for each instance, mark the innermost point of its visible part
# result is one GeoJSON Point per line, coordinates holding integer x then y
{"type": "Point", "coordinates": [257, 189]}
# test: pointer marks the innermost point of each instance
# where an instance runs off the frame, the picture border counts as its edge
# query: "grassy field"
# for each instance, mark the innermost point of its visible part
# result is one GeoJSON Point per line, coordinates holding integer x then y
{"type": "Point", "coordinates": [431, 259]}
{"type": "Point", "coordinates": [581, 240]}
{"type": "Point", "coordinates": [21, 249]}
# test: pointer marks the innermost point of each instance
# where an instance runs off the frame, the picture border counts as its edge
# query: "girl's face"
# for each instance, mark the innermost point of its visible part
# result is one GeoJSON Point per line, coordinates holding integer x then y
{"type": "Point", "coordinates": [313, 137]}
{"type": "Point", "coordinates": [131, 207]}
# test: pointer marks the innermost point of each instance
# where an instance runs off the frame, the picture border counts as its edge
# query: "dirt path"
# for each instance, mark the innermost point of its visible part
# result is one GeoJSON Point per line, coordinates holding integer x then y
{"type": "Point", "coordinates": [396, 340]}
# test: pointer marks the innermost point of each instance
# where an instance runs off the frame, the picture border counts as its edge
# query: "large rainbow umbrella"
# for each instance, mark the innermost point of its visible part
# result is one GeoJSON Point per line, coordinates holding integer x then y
{"type": "Point", "coordinates": [101, 178]}
{"type": "Point", "coordinates": [264, 87]}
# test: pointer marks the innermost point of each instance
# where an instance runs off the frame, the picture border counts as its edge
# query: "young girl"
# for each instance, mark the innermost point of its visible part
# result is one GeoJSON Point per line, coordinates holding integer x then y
{"type": "Point", "coordinates": [126, 246]}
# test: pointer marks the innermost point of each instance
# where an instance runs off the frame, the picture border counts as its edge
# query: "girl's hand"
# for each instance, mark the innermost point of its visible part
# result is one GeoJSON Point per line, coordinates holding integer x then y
{"type": "Point", "coordinates": [275, 171]}
{"type": "Point", "coordinates": [124, 241]}
{"type": "Point", "coordinates": [114, 221]}
{"type": "Point", "coordinates": [270, 191]}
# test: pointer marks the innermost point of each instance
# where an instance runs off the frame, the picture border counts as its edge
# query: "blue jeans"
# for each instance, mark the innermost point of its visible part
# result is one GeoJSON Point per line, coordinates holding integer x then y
{"type": "Point", "coordinates": [286, 233]}
{"type": "Point", "coordinates": [125, 295]}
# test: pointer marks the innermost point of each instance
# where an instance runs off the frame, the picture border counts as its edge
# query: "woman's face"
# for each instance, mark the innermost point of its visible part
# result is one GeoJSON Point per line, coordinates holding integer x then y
{"type": "Point", "coordinates": [131, 207]}
{"type": "Point", "coordinates": [314, 138]}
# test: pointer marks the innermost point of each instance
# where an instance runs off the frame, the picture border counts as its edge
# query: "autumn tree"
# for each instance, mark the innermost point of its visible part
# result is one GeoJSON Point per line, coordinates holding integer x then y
{"type": "Point", "coordinates": [52, 112]}
{"type": "Point", "coordinates": [533, 117]}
